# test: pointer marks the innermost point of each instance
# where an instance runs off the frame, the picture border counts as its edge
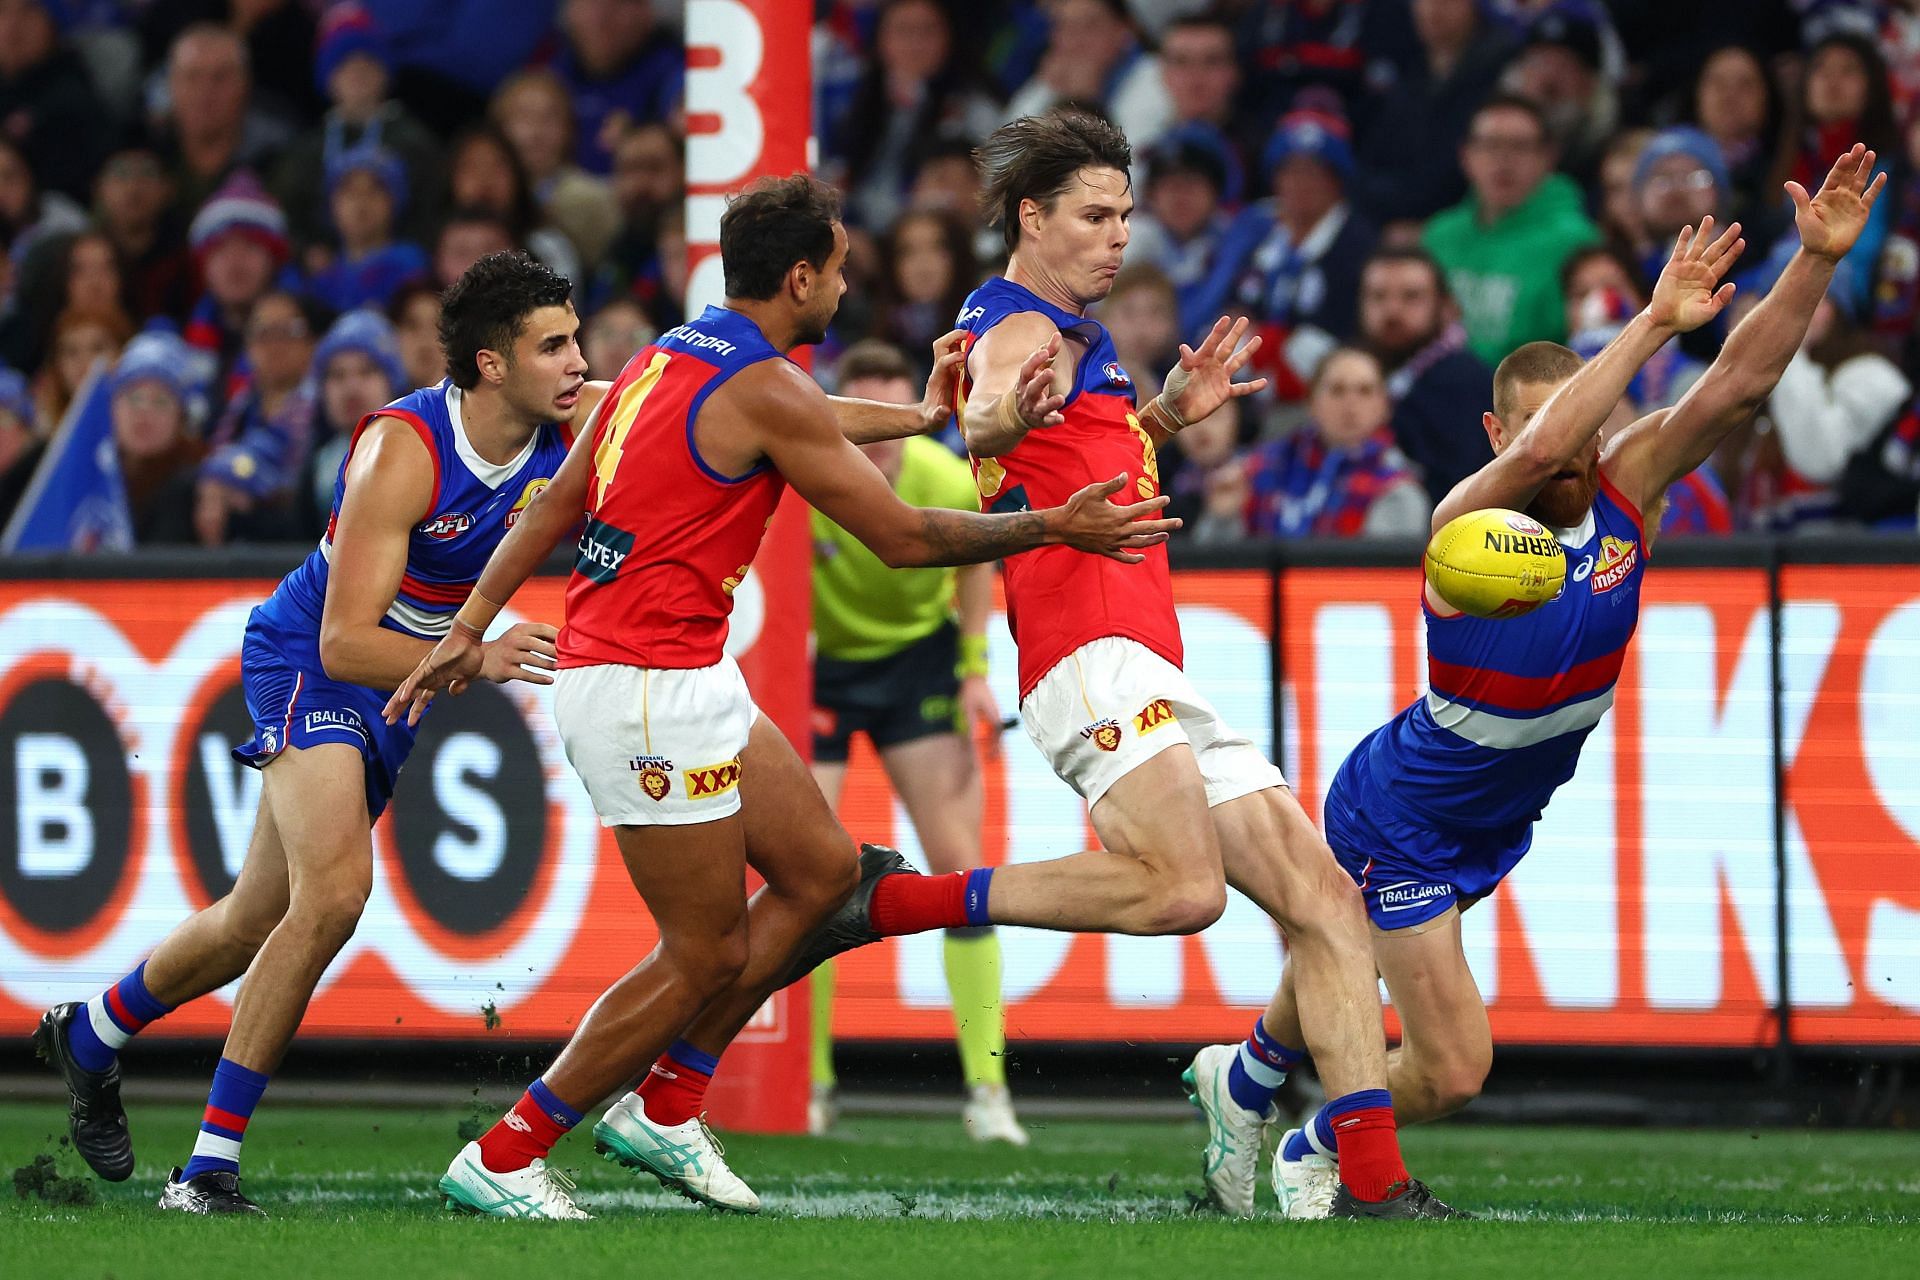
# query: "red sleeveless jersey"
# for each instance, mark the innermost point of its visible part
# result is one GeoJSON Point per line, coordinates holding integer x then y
{"type": "Point", "coordinates": [667, 538]}
{"type": "Point", "coordinates": [1059, 599]}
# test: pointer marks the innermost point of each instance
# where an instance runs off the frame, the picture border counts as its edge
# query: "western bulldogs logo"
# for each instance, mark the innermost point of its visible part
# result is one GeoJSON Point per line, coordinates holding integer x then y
{"type": "Point", "coordinates": [443, 528]}
{"type": "Point", "coordinates": [653, 779]}
{"type": "Point", "coordinates": [1116, 375]}
{"type": "Point", "coordinates": [1104, 734]}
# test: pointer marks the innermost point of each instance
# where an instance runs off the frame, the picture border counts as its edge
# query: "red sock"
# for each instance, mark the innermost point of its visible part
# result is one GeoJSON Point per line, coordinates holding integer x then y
{"type": "Point", "coordinates": [1369, 1148]}
{"type": "Point", "coordinates": [915, 904]}
{"type": "Point", "coordinates": [524, 1134]}
{"type": "Point", "coordinates": [675, 1089]}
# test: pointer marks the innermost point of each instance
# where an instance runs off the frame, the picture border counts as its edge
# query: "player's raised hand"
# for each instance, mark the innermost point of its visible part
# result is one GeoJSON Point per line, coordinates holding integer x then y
{"type": "Point", "coordinates": [1831, 220]}
{"type": "Point", "coordinates": [1089, 522]}
{"type": "Point", "coordinates": [936, 406]}
{"type": "Point", "coordinates": [1203, 380]}
{"type": "Point", "coordinates": [1036, 402]}
{"type": "Point", "coordinates": [1688, 293]}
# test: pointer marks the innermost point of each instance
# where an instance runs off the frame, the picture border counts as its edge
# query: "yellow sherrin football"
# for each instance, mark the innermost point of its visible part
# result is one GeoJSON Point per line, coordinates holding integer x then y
{"type": "Point", "coordinates": [1495, 563]}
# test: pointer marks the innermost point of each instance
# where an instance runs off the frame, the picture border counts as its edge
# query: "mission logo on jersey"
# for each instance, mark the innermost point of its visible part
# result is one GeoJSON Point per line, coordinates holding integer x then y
{"type": "Point", "coordinates": [1618, 556]}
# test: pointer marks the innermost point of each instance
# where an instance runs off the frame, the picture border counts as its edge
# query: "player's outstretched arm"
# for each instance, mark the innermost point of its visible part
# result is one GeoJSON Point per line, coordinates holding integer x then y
{"type": "Point", "coordinates": [1019, 382]}
{"type": "Point", "coordinates": [526, 651]}
{"type": "Point", "coordinates": [1687, 295]}
{"type": "Point", "coordinates": [388, 489]}
{"type": "Point", "coordinates": [868, 421]}
{"type": "Point", "coordinates": [1202, 381]}
{"type": "Point", "coordinates": [1661, 448]}
{"type": "Point", "coordinates": [793, 427]}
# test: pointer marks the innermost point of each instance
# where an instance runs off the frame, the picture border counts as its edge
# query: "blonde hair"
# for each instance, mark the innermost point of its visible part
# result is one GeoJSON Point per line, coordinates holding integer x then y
{"type": "Point", "coordinates": [1530, 365]}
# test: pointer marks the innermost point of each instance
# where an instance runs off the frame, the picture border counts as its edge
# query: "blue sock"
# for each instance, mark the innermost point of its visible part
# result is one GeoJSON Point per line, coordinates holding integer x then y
{"type": "Point", "coordinates": [978, 881]}
{"type": "Point", "coordinates": [693, 1059]}
{"type": "Point", "coordinates": [236, 1092]}
{"type": "Point", "coordinates": [111, 1019]}
{"type": "Point", "coordinates": [1260, 1068]}
{"type": "Point", "coordinates": [1316, 1135]}
{"type": "Point", "coordinates": [557, 1111]}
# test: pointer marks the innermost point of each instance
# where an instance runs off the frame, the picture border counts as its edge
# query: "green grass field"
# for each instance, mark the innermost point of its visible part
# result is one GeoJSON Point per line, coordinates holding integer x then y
{"type": "Point", "coordinates": [351, 1189]}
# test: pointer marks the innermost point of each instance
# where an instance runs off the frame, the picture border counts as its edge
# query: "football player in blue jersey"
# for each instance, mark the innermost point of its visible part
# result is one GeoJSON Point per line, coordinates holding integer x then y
{"type": "Point", "coordinates": [1433, 809]}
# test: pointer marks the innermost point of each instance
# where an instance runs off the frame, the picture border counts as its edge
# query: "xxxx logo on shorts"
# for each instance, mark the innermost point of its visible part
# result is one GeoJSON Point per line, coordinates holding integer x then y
{"type": "Point", "coordinates": [1104, 734]}
{"type": "Point", "coordinates": [1153, 715]}
{"type": "Point", "coordinates": [653, 779]}
{"type": "Point", "coordinates": [713, 779]}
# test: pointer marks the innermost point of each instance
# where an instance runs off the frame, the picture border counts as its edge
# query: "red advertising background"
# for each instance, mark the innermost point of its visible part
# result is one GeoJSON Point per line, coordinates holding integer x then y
{"type": "Point", "coordinates": [1645, 915]}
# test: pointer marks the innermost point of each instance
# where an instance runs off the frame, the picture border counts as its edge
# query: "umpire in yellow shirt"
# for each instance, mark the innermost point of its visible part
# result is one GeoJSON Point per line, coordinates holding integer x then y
{"type": "Point", "coordinates": [901, 656]}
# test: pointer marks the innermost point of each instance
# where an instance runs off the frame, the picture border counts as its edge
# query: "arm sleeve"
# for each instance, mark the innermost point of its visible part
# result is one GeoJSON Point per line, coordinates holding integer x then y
{"type": "Point", "coordinates": [1823, 419]}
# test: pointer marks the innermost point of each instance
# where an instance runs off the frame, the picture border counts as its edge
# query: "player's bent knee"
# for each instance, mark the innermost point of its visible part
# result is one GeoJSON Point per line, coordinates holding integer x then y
{"type": "Point", "coordinates": [332, 911]}
{"type": "Point", "coordinates": [1189, 908]}
{"type": "Point", "coordinates": [1458, 1082]}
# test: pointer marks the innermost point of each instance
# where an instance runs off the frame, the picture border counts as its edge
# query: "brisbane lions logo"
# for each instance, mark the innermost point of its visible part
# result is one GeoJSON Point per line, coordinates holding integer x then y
{"type": "Point", "coordinates": [444, 528]}
{"type": "Point", "coordinates": [527, 495]}
{"type": "Point", "coordinates": [651, 773]}
{"type": "Point", "coordinates": [1104, 734]}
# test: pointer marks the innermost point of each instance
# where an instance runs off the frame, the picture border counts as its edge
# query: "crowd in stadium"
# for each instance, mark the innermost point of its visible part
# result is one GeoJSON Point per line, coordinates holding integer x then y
{"type": "Point", "coordinates": [248, 207]}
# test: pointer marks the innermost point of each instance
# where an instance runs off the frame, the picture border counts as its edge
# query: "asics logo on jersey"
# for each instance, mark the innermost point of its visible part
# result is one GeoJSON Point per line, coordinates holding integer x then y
{"type": "Point", "coordinates": [447, 526]}
{"type": "Point", "coordinates": [1581, 570]}
{"type": "Point", "coordinates": [1618, 557]}
{"type": "Point", "coordinates": [1104, 734]}
{"type": "Point", "coordinates": [1153, 715]}
{"type": "Point", "coordinates": [714, 780]}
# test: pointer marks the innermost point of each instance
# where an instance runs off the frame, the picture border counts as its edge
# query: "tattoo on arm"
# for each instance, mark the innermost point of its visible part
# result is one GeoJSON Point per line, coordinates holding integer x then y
{"type": "Point", "coordinates": [963, 537]}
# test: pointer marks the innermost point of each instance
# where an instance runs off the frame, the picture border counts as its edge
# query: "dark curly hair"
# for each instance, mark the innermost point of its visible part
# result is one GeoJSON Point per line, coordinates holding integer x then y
{"type": "Point", "coordinates": [1037, 157]}
{"type": "Point", "coordinates": [486, 309]}
{"type": "Point", "coordinates": [773, 224]}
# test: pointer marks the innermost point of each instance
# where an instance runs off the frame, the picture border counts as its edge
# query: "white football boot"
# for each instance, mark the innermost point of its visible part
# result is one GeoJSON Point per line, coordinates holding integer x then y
{"type": "Point", "coordinates": [1306, 1186]}
{"type": "Point", "coordinates": [536, 1191]}
{"type": "Point", "coordinates": [686, 1158]}
{"type": "Point", "coordinates": [1231, 1165]}
{"type": "Point", "coordinates": [988, 1116]}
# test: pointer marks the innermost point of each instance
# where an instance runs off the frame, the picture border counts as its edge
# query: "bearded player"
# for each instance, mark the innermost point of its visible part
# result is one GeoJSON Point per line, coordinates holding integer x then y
{"type": "Point", "coordinates": [1430, 812]}
{"type": "Point", "coordinates": [1183, 804]}
{"type": "Point", "coordinates": [690, 452]}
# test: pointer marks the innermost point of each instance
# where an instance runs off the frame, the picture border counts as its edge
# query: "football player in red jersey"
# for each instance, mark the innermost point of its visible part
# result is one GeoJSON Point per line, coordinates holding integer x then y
{"type": "Point", "coordinates": [689, 452]}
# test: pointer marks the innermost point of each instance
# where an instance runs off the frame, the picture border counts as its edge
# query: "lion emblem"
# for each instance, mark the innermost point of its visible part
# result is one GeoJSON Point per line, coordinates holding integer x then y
{"type": "Point", "coordinates": [655, 783]}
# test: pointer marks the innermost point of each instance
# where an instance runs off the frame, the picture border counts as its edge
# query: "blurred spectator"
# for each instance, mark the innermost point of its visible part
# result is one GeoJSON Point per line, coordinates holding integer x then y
{"type": "Point", "coordinates": [1734, 103]}
{"type": "Point", "coordinates": [132, 207]}
{"type": "Point", "coordinates": [80, 339]}
{"type": "Point", "coordinates": [27, 213]}
{"type": "Point", "coordinates": [211, 127]}
{"type": "Point", "coordinates": [1205, 472]}
{"type": "Point", "coordinates": [366, 190]}
{"type": "Point", "coordinates": [469, 234]}
{"type": "Point", "coordinates": [1619, 202]}
{"type": "Point", "coordinates": [278, 37]}
{"type": "Point", "coordinates": [1410, 157]}
{"type": "Point", "coordinates": [71, 269]}
{"type": "Point", "coordinates": [1844, 99]}
{"type": "Point", "coordinates": [1896, 305]}
{"type": "Point", "coordinates": [615, 333]}
{"type": "Point", "coordinates": [356, 369]}
{"type": "Point", "coordinates": [649, 176]}
{"type": "Point", "coordinates": [484, 172]}
{"type": "Point", "coordinates": [21, 444]}
{"type": "Point", "coordinates": [415, 315]}
{"type": "Point", "coordinates": [920, 86]}
{"type": "Point", "coordinates": [1835, 397]}
{"type": "Point", "coordinates": [1199, 77]}
{"type": "Point", "coordinates": [949, 180]}
{"type": "Point", "coordinates": [239, 242]}
{"type": "Point", "coordinates": [1094, 57]}
{"type": "Point", "coordinates": [1438, 388]}
{"type": "Point", "coordinates": [1503, 247]}
{"type": "Point", "coordinates": [47, 99]}
{"type": "Point", "coordinates": [450, 55]}
{"type": "Point", "coordinates": [1181, 223]}
{"type": "Point", "coordinates": [536, 117]}
{"type": "Point", "coordinates": [1880, 486]}
{"type": "Point", "coordinates": [1680, 179]}
{"type": "Point", "coordinates": [621, 68]}
{"type": "Point", "coordinates": [1344, 46]}
{"type": "Point", "coordinates": [1141, 314]}
{"type": "Point", "coordinates": [927, 272]}
{"type": "Point", "coordinates": [1604, 290]}
{"type": "Point", "coordinates": [263, 436]}
{"type": "Point", "coordinates": [1339, 475]}
{"type": "Point", "coordinates": [1560, 71]}
{"type": "Point", "coordinates": [663, 291]}
{"type": "Point", "coordinates": [1293, 260]}
{"type": "Point", "coordinates": [153, 432]}
{"type": "Point", "coordinates": [353, 66]}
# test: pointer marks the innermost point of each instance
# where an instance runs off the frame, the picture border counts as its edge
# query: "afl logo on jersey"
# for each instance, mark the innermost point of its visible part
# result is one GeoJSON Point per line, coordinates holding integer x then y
{"type": "Point", "coordinates": [527, 495]}
{"type": "Point", "coordinates": [1116, 375]}
{"type": "Point", "coordinates": [444, 528]}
